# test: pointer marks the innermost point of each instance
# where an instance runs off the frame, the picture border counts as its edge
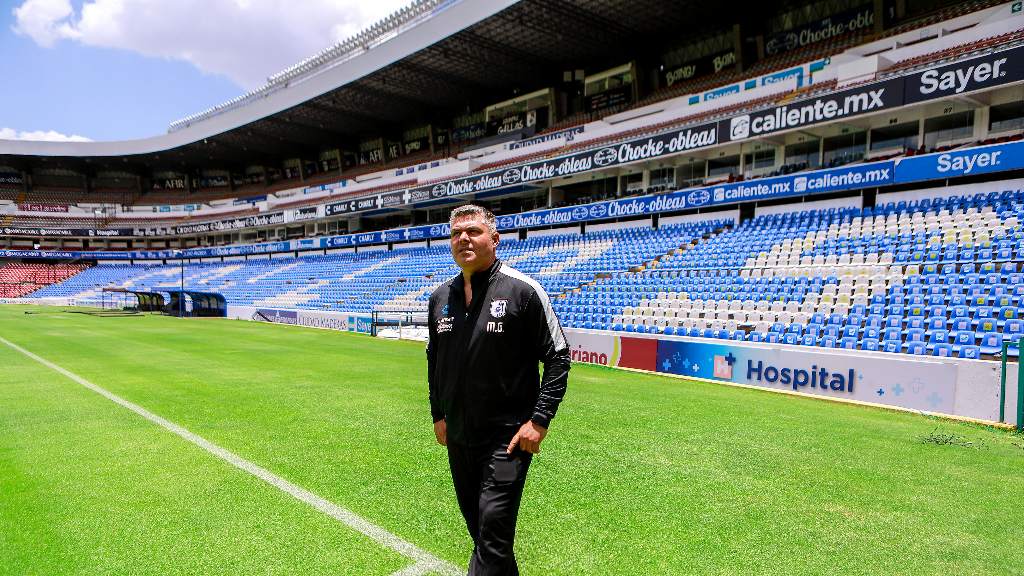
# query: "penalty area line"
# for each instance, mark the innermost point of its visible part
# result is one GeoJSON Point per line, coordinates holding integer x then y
{"type": "Point", "coordinates": [424, 562]}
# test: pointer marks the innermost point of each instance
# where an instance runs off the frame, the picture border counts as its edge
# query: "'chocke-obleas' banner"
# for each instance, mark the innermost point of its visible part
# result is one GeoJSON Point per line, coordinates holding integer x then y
{"type": "Point", "coordinates": [692, 138]}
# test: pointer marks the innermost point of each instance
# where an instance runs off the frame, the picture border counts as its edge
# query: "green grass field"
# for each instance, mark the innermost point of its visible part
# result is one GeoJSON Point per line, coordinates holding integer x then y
{"type": "Point", "coordinates": [640, 474]}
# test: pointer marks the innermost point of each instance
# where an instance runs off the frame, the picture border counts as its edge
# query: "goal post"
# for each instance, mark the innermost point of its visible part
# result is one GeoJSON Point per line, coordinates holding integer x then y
{"type": "Point", "coordinates": [399, 324]}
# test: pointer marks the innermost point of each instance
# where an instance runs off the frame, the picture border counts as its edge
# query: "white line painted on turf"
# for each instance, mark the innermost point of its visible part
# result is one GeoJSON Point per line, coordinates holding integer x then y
{"type": "Point", "coordinates": [425, 562]}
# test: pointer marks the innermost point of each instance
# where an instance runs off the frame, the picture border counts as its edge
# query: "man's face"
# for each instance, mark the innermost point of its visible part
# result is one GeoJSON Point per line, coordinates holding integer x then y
{"type": "Point", "coordinates": [473, 245]}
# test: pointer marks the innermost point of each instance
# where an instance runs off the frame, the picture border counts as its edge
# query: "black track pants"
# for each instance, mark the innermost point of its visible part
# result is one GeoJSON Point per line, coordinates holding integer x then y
{"type": "Point", "coordinates": [489, 486]}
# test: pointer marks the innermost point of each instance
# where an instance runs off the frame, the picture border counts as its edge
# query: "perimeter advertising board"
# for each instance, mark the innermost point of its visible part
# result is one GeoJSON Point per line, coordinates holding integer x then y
{"type": "Point", "coordinates": [914, 383]}
{"type": "Point", "coordinates": [342, 321]}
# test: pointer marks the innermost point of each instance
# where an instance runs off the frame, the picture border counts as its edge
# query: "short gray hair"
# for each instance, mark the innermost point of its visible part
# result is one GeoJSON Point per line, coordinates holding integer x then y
{"type": "Point", "coordinates": [474, 210]}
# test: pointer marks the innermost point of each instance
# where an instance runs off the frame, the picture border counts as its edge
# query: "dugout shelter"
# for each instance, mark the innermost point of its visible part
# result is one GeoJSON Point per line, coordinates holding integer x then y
{"type": "Point", "coordinates": [193, 303]}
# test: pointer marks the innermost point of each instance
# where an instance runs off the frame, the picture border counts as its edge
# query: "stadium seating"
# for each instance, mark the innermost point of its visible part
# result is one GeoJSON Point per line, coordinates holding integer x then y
{"type": "Point", "coordinates": [19, 279]}
{"type": "Point", "coordinates": [373, 280]}
{"type": "Point", "coordinates": [939, 276]}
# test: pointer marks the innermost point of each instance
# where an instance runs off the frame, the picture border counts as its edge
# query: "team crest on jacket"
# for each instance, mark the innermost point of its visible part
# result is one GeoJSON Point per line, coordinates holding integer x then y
{"type": "Point", "coordinates": [498, 308]}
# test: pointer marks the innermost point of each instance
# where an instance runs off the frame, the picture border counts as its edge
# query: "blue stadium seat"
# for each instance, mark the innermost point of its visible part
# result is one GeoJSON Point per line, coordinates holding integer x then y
{"type": "Point", "coordinates": [972, 352]}
{"type": "Point", "coordinates": [892, 346]}
{"type": "Point", "coordinates": [916, 348]}
{"type": "Point", "coordinates": [991, 343]}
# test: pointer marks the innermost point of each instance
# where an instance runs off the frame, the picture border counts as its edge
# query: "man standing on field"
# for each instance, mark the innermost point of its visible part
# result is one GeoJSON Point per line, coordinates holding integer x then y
{"type": "Point", "coordinates": [490, 326]}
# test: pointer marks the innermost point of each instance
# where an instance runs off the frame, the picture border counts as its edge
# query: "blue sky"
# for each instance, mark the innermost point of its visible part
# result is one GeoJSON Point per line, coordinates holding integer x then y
{"type": "Point", "coordinates": [124, 69]}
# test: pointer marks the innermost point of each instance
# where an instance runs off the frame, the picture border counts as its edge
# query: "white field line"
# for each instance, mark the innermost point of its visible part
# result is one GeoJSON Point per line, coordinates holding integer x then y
{"type": "Point", "coordinates": [425, 562]}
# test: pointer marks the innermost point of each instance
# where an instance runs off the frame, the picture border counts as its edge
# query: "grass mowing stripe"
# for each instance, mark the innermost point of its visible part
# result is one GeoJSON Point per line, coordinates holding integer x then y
{"type": "Point", "coordinates": [424, 561]}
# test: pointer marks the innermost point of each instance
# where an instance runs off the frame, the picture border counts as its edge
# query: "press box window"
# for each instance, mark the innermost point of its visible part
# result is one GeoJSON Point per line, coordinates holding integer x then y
{"type": "Point", "coordinates": [896, 136]}
{"type": "Point", "coordinates": [955, 126]}
{"type": "Point", "coordinates": [803, 153]}
{"type": "Point", "coordinates": [759, 159]}
{"type": "Point", "coordinates": [1006, 117]}
{"type": "Point", "coordinates": [730, 165]}
{"type": "Point", "coordinates": [690, 174]}
{"type": "Point", "coordinates": [845, 148]}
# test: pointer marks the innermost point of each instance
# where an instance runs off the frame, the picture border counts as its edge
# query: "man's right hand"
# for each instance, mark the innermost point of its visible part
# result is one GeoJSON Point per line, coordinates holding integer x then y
{"type": "Point", "coordinates": [441, 432]}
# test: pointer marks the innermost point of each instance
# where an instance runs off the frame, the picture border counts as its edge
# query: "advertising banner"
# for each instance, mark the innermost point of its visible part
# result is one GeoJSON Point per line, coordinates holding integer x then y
{"type": "Point", "coordinates": [337, 242]}
{"type": "Point", "coordinates": [70, 232]}
{"type": "Point", "coordinates": [700, 67]}
{"type": "Point", "coordinates": [634, 150]}
{"type": "Point", "coordinates": [853, 102]}
{"type": "Point", "coordinates": [176, 183]}
{"type": "Point", "coordinates": [415, 145]}
{"type": "Point", "coordinates": [360, 204]}
{"type": "Point", "coordinates": [371, 156]}
{"type": "Point", "coordinates": [21, 231]}
{"type": "Point", "coordinates": [264, 248]}
{"type": "Point", "coordinates": [397, 235]}
{"type": "Point", "coordinates": [342, 321]}
{"type": "Point", "coordinates": [985, 71]}
{"type": "Point", "coordinates": [343, 207]}
{"type": "Point", "coordinates": [609, 98]}
{"type": "Point", "coordinates": [391, 199]}
{"type": "Point", "coordinates": [11, 178]}
{"type": "Point", "coordinates": [232, 224]}
{"type": "Point", "coordinates": [831, 180]}
{"type": "Point", "coordinates": [470, 132]}
{"type": "Point", "coordinates": [441, 138]}
{"type": "Point", "coordinates": [64, 254]}
{"type": "Point", "coordinates": [980, 160]}
{"type": "Point", "coordinates": [368, 238]}
{"type": "Point", "coordinates": [308, 213]}
{"type": "Point", "coordinates": [106, 232]}
{"type": "Point", "coordinates": [982, 72]}
{"type": "Point", "coordinates": [903, 381]}
{"type": "Point", "coordinates": [837, 25]}
{"type": "Point", "coordinates": [525, 121]}
{"type": "Point", "coordinates": [777, 77]}
{"type": "Point", "coordinates": [38, 207]}
{"type": "Point", "coordinates": [425, 232]}
{"type": "Point", "coordinates": [568, 134]}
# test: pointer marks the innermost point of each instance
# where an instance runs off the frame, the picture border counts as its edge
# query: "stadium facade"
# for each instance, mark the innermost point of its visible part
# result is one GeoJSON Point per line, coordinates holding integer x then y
{"type": "Point", "coordinates": [785, 192]}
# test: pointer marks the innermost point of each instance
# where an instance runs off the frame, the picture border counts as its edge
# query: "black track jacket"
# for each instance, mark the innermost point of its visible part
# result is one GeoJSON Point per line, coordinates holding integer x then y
{"type": "Point", "coordinates": [482, 362]}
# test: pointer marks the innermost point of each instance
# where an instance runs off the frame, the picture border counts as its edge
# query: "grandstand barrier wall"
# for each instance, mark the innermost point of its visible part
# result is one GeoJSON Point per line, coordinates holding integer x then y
{"type": "Point", "coordinates": [945, 386]}
{"type": "Point", "coordinates": [39, 301]}
{"type": "Point", "coordinates": [341, 321]}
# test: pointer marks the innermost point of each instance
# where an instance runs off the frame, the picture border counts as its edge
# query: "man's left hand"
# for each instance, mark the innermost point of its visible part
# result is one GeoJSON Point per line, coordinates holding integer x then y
{"type": "Point", "coordinates": [529, 437]}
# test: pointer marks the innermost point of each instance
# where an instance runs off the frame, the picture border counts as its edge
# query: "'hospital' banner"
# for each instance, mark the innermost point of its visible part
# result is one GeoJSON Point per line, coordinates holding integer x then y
{"type": "Point", "coordinates": [925, 384]}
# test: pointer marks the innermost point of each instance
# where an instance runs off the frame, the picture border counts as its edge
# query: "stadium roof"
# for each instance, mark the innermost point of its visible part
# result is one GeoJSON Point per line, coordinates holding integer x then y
{"type": "Point", "coordinates": [457, 60]}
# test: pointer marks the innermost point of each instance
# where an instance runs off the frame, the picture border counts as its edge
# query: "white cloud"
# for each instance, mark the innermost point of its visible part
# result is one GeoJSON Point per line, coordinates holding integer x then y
{"type": "Point", "coordinates": [47, 135]}
{"type": "Point", "coordinates": [245, 40]}
{"type": "Point", "coordinates": [43, 20]}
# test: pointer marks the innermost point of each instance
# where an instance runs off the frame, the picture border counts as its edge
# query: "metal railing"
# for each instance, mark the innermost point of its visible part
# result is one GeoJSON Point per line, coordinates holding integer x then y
{"type": "Point", "coordinates": [1007, 345]}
